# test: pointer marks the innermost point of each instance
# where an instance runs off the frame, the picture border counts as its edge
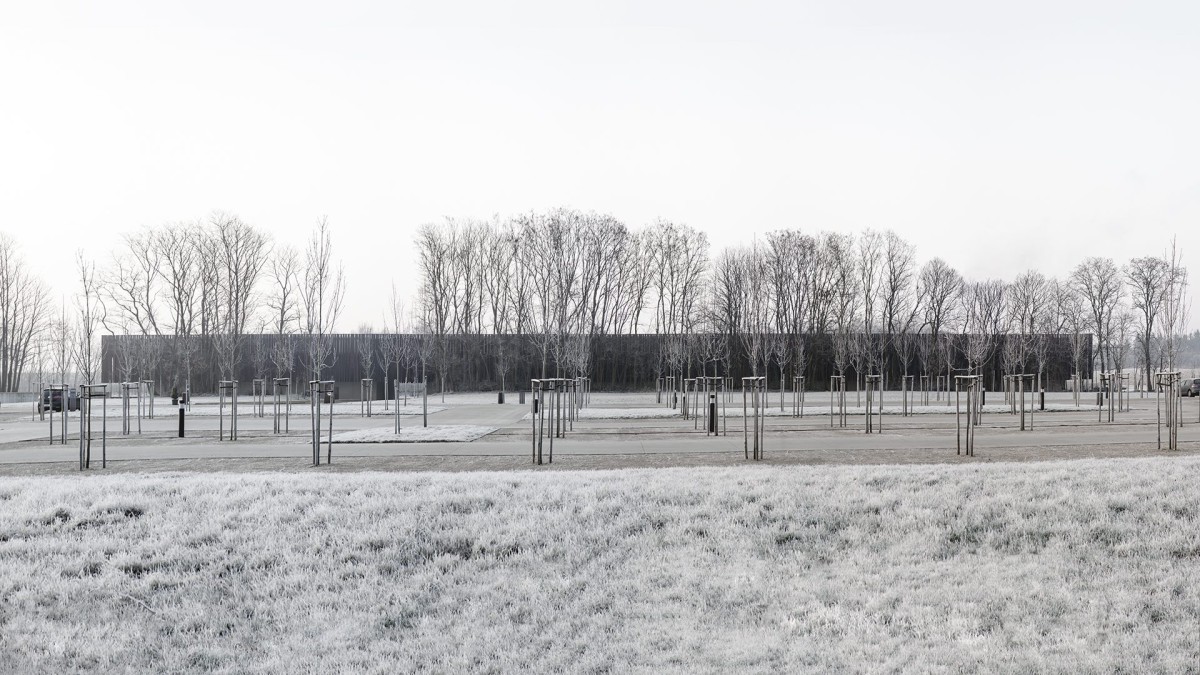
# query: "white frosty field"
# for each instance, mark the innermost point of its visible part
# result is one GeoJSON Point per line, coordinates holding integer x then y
{"type": "Point", "coordinates": [446, 433]}
{"type": "Point", "coordinates": [246, 409]}
{"type": "Point", "coordinates": [1081, 566]}
{"type": "Point", "coordinates": [734, 409]}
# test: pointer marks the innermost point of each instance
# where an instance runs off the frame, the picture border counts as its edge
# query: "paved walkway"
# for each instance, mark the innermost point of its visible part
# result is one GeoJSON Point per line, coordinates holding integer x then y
{"type": "Point", "coordinates": [592, 444]}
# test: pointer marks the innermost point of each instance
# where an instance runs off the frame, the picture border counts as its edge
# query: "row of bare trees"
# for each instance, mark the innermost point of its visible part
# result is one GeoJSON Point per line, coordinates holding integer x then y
{"type": "Point", "coordinates": [211, 282]}
{"type": "Point", "coordinates": [563, 278]}
{"type": "Point", "coordinates": [560, 280]}
{"type": "Point", "coordinates": [557, 278]}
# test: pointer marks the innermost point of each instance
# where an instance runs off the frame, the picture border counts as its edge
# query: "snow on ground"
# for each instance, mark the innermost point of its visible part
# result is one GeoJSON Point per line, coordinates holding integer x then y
{"type": "Point", "coordinates": [734, 409]}
{"type": "Point", "coordinates": [622, 414]}
{"type": "Point", "coordinates": [512, 397]}
{"type": "Point", "coordinates": [1082, 566]}
{"type": "Point", "coordinates": [246, 408]}
{"type": "Point", "coordinates": [432, 434]}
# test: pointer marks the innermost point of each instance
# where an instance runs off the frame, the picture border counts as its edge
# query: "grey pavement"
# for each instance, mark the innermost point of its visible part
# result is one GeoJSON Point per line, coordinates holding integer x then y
{"type": "Point", "coordinates": [23, 441]}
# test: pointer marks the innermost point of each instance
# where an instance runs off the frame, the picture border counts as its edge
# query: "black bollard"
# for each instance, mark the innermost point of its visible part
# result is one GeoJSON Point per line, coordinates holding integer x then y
{"type": "Point", "coordinates": [521, 399]}
{"type": "Point", "coordinates": [1042, 400]}
{"type": "Point", "coordinates": [181, 408]}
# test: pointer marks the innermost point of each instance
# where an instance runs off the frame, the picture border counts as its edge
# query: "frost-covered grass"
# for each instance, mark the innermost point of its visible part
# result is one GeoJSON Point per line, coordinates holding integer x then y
{"type": "Point", "coordinates": [621, 413]}
{"type": "Point", "coordinates": [734, 409]}
{"type": "Point", "coordinates": [1070, 567]}
{"type": "Point", "coordinates": [446, 433]}
{"type": "Point", "coordinates": [204, 407]}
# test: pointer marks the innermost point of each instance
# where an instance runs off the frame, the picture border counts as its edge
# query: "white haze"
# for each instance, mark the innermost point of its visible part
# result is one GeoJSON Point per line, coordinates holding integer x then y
{"type": "Point", "coordinates": [1017, 135]}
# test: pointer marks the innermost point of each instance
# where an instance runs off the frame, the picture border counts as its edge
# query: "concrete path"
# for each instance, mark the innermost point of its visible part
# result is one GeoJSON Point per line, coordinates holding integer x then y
{"type": "Point", "coordinates": [601, 442]}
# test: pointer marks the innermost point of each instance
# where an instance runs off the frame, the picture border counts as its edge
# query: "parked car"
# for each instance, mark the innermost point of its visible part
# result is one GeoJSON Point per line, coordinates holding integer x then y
{"type": "Point", "coordinates": [1190, 387]}
{"type": "Point", "coordinates": [52, 400]}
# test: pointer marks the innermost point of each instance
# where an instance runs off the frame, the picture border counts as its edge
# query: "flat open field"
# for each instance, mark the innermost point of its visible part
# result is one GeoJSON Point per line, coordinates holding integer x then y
{"type": "Point", "coordinates": [1078, 566]}
{"type": "Point", "coordinates": [1069, 547]}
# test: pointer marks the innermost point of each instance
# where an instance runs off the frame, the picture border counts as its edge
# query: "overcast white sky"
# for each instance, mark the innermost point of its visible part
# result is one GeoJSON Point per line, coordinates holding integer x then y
{"type": "Point", "coordinates": [1017, 135]}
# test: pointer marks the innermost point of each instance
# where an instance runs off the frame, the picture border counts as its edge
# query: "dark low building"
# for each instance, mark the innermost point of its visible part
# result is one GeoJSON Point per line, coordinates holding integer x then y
{"type": "Point", "coordinates": [480, 362]}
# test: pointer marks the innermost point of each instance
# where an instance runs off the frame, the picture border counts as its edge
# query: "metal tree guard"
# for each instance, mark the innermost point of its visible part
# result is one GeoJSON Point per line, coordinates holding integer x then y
{"type": "Point", "coordinates": [971, 384]}
{"type": "Point", "coordinates": [1019, 391]}
{"type": "Point", "coordinates": [874, 383]}
{"type": "Point", "coordinates": [318, 390]}
{"type": "Point", "coordinates": [258, 397]}
{"type": "Point", "coordinates": [797, 396]}
{"type": "Point", "coordinates": [87, 393]}
{"type": "Point", "coordinates": [127, 408]}
{"type": "Point", "coordinates": [287, 403]}
{"type": "Point", "coordinates": [754, 391]}
{"type": "Point", "coordinates": [545, 394]}
{"type": "Point", "coordinates": [1168, 381]}
{"type": "Point", "coordinates": [66, 406]}
{"type": "Point", "coordinates": [837, 391]}
{"type": "Point", "coordinates": [906, 386]}
{"type": "Point", "coordinates": [366, 392]}
{"type": "Point", "coordinates": [149, 385]}
{"type": "Point", "coordinates": [230, 386]}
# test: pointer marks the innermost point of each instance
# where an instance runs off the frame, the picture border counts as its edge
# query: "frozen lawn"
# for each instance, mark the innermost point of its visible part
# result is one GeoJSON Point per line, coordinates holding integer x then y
{"type": "Point", "coordinates": [734, 409]}
{"type": "Point", "coordinates": [618, 413]}
{"type": "Point", "coordinates": [811, 410]}
{"type": "Point", "coordinates": [1076, 566]}
{"type": "Point", "coordinates": [447, 433]}
{"type": "Point", "coordinates": [246, 409]}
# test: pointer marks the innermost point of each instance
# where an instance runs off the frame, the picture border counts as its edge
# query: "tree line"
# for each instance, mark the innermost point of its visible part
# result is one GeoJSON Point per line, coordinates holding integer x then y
{"type": "Point", "coordinates": [565, 279]}
{"type": "Point", "coordinates": [540, 294]}
{"type": "Point", "coordinates": [200, 288]}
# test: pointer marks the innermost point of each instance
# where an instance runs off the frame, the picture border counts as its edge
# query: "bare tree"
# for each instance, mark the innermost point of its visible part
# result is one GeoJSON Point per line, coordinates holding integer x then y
{"type": "Point", "coordinates": [984, 312]}
{"type": "Point", "coordinates": [870, 268]}
{"type": "Point", "coordinates": [23, 315]}
{"type": "Point", "coordinates": [283, 355]}
{"type": "Point", "coordinates": [1175, 307]}
{"type": "Point", "coordinates": [1148, 279]}
{"type": "Point", "coordinates": [1098, 281]}
{"type": "Point", "coordinates": [242, 254]}
{"type": "Point", "coordinates": [126, 357]}
{"type": "Point", "coordinates": [1050, 323]}
{"type": "Point", "coordinates": [177, 253]}
{"type": "Point", "coordinates": [283, 297]}
{"type": "Point", "coordinates": [754, 323]}
{"type": "Point", "coordinates": [1027, 300]}
{"type": "Point", "coordinates": [436, 249]}
{"type": "Point", "coordinates": [1124, 330]}
{"type": "Point", "coordinates": [322, 291]}
{"type": "Point", "coordinates": [678, 258]}
{"type": "Point", "coordinates": [1071, 306]}
{"type": "Point", "coordinates": [839, 255]}
{"type": "Point", "coordinates": [62, 345]}
{"type": "Point", "coordinates": [261, 356]}
{"type": "Point", "coordinates": [131, 284]}
{"type": "Point", "coordinates": [901, 303]}
{"type": "Point", "coordinates": [90, 313]}
{"type": "Point", "coordinates": [393, 345]}
{"type": "Point", "coordinates": [940, 286]}
{"type": "Point", "coordinates": [780, 350]}
{"type": "Point", "coordinates": [366, 351]}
